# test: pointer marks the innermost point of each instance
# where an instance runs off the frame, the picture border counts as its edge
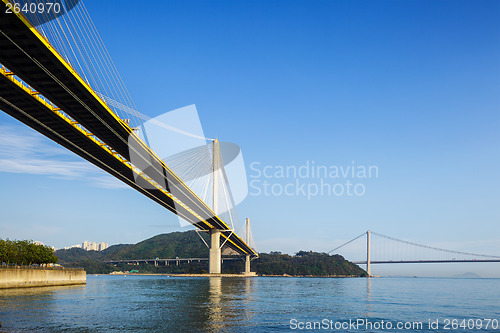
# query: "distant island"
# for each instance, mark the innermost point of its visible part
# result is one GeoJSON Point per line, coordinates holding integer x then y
{"type": "Point", "coordinates": [188, 245]}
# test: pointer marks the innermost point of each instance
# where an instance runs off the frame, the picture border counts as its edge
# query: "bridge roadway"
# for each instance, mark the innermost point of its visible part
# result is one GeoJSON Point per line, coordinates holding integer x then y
{"type": "Point", "coordinates": [423, 261]}
{"type": "Point", "coordinates": [83, 123]}
{"type": "Point", "coordinates": [164, 261]}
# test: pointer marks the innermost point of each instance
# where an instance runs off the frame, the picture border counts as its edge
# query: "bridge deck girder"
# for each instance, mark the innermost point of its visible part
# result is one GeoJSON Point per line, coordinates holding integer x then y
{"type": "Point", "coordinates": [29, 56]}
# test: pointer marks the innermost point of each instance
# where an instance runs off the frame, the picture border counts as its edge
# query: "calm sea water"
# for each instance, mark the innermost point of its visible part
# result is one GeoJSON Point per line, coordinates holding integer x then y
{"type": "Point", "coordinates": [263, 304]}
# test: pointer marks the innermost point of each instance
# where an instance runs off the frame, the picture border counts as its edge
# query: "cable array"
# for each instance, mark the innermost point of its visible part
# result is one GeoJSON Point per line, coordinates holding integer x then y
{"type": "Point", "coordinates": [346, 243]}
{"type": "Point", "coordinates": [77, 39]}
{"type": "Point", "coordinates": [387, 248]}
{"type": "Point", "coordinates": [397, 249]}
{"type": "Point", "coordinates": [198, 169]}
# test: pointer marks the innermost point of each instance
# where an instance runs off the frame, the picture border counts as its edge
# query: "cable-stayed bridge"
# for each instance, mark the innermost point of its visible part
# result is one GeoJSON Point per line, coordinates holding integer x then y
{"type": "Point", "coordinates": [382, 249]}
{"type": "Point", "coordinates": [54, 75]}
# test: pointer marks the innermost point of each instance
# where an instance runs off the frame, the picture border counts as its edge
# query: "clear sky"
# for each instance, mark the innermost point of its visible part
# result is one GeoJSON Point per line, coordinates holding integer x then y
{"type": "Point", "coordinates": [411, 88]}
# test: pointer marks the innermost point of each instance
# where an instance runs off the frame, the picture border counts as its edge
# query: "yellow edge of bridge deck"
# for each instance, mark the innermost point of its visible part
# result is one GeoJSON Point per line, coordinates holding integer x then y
{"type": "Point", "coordinates": [47, 44]}
{"type": "Point", "coordinates": [92, 137]}
{"type": "Point", "coordinates": [35, 95]}
{"type": "Point", "coordinates": [104, 105]}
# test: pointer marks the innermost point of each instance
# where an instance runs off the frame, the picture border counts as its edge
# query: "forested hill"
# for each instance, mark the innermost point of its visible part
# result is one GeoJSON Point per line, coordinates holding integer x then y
{"type": "Point", "coordinates": [176, 244]}
{"type": "Point", "coordinates": [305, 264]}
{"type": "Point", "coordinates": [188, 245]}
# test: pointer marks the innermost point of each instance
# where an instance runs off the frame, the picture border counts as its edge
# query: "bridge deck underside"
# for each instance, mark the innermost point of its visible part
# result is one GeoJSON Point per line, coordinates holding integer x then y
{"type": "Point", "coordinates": [20, 105]}
{"type": "Point", "coordinates": [30, 58]}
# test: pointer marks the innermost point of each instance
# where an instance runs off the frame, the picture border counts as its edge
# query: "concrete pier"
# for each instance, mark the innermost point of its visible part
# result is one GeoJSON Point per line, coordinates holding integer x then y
{"type": "Point", "coordinates": [247, 271]}
{"type": "Point", "coordinates": [214, 259]}
{"type": "Point", "coordinates": [24, 277]}
{"type": "Point", "coordinates": [247, 265]}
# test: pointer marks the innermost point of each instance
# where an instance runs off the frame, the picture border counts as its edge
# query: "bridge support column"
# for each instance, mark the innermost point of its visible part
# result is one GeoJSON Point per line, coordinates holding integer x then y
{"type": "Point", "coordinates": [214, 259]}
{"type": "Point", "coordinates": [247, 265]}
{"type": "Point", "coordinates": [368, 260]}
{"type": "Point", "coordinates": [247, 257]}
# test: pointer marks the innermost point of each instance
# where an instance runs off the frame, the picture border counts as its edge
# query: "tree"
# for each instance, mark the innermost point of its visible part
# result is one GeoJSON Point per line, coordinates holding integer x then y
{"type": "Point", "coordinates": [25, 252]}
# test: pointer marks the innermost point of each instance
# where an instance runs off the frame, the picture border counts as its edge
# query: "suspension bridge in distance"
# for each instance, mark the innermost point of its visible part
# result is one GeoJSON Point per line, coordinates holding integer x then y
{"type": "Point", "coordinates": [396, 251]}
{"type": "Point", "coordinates": [42, 89]}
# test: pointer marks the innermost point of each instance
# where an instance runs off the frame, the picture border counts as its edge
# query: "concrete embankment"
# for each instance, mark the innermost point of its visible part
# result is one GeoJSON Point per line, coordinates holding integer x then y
{"type": "Point", "coordinates": [22, 277]}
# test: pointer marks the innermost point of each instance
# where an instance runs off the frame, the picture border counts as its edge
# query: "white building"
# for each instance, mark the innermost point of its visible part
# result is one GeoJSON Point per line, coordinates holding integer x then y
{"type": "Point", "coordinates": [103, 246]}
{"type": "Point", "coordinates": [40, 243]}
{"type": "Point", "coordinates": [93, 246]}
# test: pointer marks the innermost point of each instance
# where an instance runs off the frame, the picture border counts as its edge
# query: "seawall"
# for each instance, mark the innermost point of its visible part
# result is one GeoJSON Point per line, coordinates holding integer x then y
{"type": "Point", "coordinates": [23, 277]}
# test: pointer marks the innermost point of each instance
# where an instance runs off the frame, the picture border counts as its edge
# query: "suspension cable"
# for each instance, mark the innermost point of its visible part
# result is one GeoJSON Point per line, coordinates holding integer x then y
{"type": "Point", "coordinates": [434, 248]}
{"type": "Point", "coordinates": [352, 240]}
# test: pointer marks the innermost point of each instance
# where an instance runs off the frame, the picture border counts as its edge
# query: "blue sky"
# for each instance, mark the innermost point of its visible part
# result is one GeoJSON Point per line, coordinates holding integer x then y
{"type": "Point", "coordinates": [411, 87]}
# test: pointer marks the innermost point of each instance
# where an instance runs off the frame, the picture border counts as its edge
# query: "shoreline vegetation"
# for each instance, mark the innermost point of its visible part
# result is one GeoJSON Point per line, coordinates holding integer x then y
{"type": "Point", "coordinates": [188, 245]}
{"type": "Point", "coordinates": [25, 252]}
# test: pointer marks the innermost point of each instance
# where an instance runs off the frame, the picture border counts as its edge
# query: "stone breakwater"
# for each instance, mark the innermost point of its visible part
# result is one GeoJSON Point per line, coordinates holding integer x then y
{"type": "Point", "coordinates": [23, 277]}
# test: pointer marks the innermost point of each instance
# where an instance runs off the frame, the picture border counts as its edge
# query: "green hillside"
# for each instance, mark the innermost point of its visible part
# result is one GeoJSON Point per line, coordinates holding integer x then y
{"type": "Point", "coordinates": [177, 244]}
{"type": "Point", "coordinates": [188, 245]}
{"type": "Point", "coordinates": [304, 264]}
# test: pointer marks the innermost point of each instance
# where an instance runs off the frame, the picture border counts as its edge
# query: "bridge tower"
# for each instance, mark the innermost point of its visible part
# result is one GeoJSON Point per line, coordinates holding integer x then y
{"type": "Point", "coordinates": [215, 259]}
{"type": "Point", "coordinates": [368, 260]}
{"type": "Point", "coordinates": [247, 257]}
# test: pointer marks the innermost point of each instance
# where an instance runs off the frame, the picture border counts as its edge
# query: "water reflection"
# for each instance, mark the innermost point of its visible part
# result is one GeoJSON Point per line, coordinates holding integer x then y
{"type": "Point", "coordinates": [26, 304]}
{"type": "Point", "coordinates": [199, 304]}
{"type": "Point", "coordinates": [215, 312]}
{"type": "Point", "coordinates": [136, 303]}
{"type": "Point", "coordinates": [369, 308]}
{"type": "Point", "coordinates": [161, 304]}
{"type": "Point", "coordinates": [249, 283]}
{"type": "Point", "coordinates": [228, 303]}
